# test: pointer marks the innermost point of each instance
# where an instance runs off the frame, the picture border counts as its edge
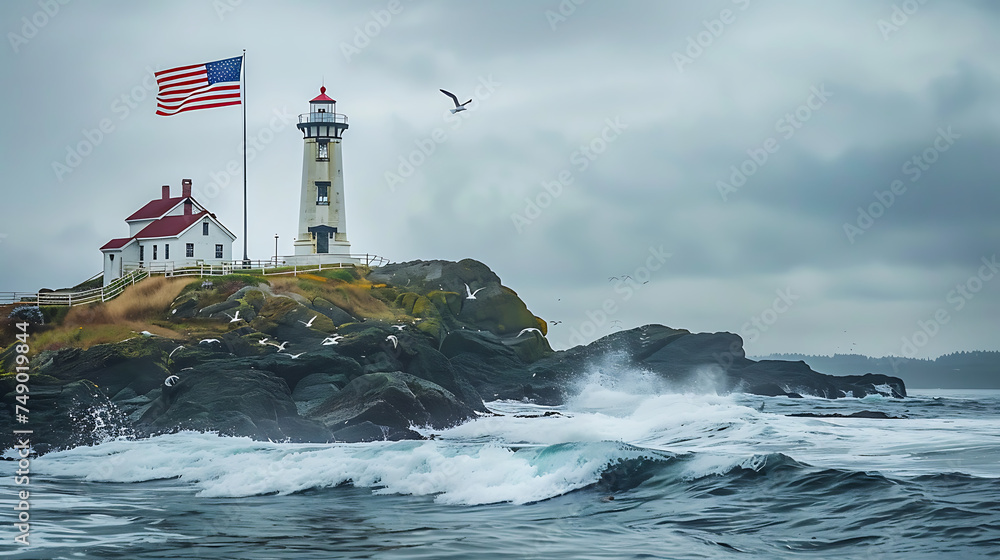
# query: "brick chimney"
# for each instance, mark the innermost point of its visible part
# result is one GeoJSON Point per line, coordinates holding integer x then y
{"type": "Point", "coordinates": [166, 191]}
{"type": "Point", "coordinates": [186, 188]}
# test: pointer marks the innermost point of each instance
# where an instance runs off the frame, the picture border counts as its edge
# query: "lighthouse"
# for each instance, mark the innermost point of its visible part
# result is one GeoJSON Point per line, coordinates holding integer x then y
{"type": "Point", "coordinates": [322, 221]}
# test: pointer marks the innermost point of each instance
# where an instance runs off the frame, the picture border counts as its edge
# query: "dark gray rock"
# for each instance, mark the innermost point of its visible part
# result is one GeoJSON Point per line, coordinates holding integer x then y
{"type": "Point", "coordinates": [252, 403]}
{"type": "Point", "coordinates": [395, 400]}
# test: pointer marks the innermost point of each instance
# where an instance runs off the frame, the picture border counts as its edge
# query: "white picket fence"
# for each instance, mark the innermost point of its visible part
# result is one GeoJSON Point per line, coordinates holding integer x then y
{"type": "Point", "coordinates": [104, 293]}
{"type": "Point", "coordinates": [136, 272]}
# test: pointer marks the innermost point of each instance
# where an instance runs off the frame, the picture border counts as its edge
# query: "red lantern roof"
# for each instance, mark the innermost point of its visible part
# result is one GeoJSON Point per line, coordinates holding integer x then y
{"type": "Point", "coordinates": [323, 97]}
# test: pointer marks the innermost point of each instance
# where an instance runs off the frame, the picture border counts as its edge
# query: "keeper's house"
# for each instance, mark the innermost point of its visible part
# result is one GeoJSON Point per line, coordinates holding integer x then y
{"type": "Point", "coordinates": [169, 233]}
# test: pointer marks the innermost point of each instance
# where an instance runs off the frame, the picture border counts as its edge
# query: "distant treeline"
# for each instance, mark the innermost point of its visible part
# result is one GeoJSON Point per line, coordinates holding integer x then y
{"type": "Point", "coordinates": [961, 370]}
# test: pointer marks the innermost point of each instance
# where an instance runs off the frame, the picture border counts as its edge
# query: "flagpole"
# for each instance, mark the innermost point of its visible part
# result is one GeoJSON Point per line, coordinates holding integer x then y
{"type": "Point", "coordinates": [246, 259]}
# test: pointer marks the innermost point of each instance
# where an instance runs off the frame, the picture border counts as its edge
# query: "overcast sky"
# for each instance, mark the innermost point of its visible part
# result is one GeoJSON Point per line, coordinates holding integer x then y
{"type": "Point", "coordinates": [719, 151]}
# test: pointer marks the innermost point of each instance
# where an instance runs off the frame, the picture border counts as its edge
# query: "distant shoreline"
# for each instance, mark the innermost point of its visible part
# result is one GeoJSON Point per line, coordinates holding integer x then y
{"type": "Point", "coordinates": [978, 369]}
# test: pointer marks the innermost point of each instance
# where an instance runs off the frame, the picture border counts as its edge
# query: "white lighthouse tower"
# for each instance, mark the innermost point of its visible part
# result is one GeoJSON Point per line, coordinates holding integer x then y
{"type": "Point", "coordinates": [322, 221]}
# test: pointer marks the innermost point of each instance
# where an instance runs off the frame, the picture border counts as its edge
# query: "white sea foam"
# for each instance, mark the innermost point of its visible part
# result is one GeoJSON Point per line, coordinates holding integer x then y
{"type": "Point", "coordinates": [456, 474]}
{"type": "Point", "coordinates": [526, 459]}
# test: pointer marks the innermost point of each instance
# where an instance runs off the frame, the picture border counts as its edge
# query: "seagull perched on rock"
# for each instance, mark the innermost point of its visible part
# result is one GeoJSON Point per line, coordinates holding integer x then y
{"type": "Point", "coordinates": [458, 106]}
{"type": "Point", "coordinates": [394, 340]}
{"type": "Point", "coordinates": [171, 380]}
{"type": "Point", "coordinates": [331, 340]}
{"type": "Point", "coordinates": [209, 341]}
{"type": "Point", "coordinates": [147, 333]}
{"type": "Point", "coordinates": [470, 293]}
{"type": "Point", "coordinates": [529, 329]}
{"type": "Point", "coordinates": [310, 323]}
{"type": "Point", "coordinates": [233, 318]}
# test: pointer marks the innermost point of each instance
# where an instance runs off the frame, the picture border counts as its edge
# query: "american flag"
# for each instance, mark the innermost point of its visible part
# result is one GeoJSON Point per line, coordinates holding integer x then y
{"type": "Point", "coordinates": [199, 86]}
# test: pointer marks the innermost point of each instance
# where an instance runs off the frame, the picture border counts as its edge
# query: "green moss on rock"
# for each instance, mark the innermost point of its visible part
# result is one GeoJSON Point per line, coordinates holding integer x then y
{"type": "Point", "coordinates": [446, 302]}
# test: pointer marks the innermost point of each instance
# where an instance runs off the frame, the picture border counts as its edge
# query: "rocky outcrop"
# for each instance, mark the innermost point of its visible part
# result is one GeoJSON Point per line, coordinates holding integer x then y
{"type": "Point", "coordinates": [300, 367]}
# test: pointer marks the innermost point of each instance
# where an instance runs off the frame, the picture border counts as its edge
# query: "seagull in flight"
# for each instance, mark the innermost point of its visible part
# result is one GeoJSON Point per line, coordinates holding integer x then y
{"type": "Point", "coordinates": [458, 106]}
{"type": "Point", "coordinates": [331, 340]}
{"type": "Point", "coordinates": [263, 341]}
{"type": "Point", "coordinates": [471, 294]}
{"type": "Point", "coordinates": [529, 329]}
{"type": "Point", "coordinates": [280, 347]}
{"type": "Point", "coordinates": [310, 323]}
{"type": "Point", "coordinates": [555, 322]}
{"type": "Point", "coordinates": [174, 350]}
{"type": "Point", "coordinates": [294, 356]}
{"type": "Point", "coordinates": [233, 318]}
{"type": "Point", "coordinates": [171, 380]}
{"type": "Point", "coordinates": [400, 327]}
{"type": "Point", "coordinates": [392, 338]}
{"type": "Point", "coordinates": [209, 341]}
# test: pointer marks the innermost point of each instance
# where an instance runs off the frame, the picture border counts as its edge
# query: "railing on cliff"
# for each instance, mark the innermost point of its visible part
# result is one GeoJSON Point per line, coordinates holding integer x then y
{"type": "Point", "coordinates": [135, 272]}
{"type": "Point", "coordinates": [293, 265]}
{"type": "Point", "coordinates": [64, 298]}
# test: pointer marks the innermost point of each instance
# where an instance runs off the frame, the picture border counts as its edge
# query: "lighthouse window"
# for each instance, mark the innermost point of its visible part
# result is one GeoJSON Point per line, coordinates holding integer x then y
{"type": "Point", "coordinates": [189, 249]}
{"type": "Point", "coordinates": [322, 193]}
{"type": "Point", "coordinates": [166, 252]}
{"type": "Point", "coordinates": [142, 253]}
{"type": "Point", "coordinates": [218, 251]}
{"type": "Point", "coordinates": [204, 227]}
{"type": "Point", "coordinates": [154, 252]}
{"type": "Point", "coordinates": [322, 152]}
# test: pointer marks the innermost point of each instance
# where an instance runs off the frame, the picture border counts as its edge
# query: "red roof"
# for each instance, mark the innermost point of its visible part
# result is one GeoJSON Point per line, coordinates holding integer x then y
{"type": "Point", "coordinates": [116, 243]}
{"type": "Point", "coordinates": [155, 208]}
{"type": "Point", "coordinates": [322, 97]}
{"type": "Point", "coordinates": [169, 226]}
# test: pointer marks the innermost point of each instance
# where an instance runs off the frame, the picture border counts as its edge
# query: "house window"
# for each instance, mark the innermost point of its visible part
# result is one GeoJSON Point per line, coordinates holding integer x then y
{"type": "Point", "coordinates": [218, 251]}
{"type": "Point", "coordinates": [166, 252]}
{"type": "Point", "coordinates": [142, 253]}
{"type": "Point", "coordinates": [204, 227]}
{"type": "Point", "coordinates": [154, 252]}
{"type": "Point", "coordinates": [322, 193]}
{"type": "Point", "coordinates": [189, 248]}
{"type": "Point", "coordinates": [322, 152]}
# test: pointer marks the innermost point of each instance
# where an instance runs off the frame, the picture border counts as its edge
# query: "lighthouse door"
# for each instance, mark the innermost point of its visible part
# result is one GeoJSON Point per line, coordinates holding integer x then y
{"type": "Point", "coordinates": [323, 235]}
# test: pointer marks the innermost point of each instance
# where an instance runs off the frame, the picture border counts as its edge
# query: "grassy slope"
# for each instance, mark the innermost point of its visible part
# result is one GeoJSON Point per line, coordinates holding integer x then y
{"type": "Point", "coordinates": [144, 306]}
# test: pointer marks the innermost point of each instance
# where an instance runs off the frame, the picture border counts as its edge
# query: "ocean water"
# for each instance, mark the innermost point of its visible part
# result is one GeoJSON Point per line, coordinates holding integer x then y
{"type": "Point", "coordinates": [625, 469]}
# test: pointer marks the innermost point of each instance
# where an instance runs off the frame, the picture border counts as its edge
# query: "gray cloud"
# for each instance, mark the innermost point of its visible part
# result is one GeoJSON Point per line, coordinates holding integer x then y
{"type": "Point", "coordinates": [655, 184]}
